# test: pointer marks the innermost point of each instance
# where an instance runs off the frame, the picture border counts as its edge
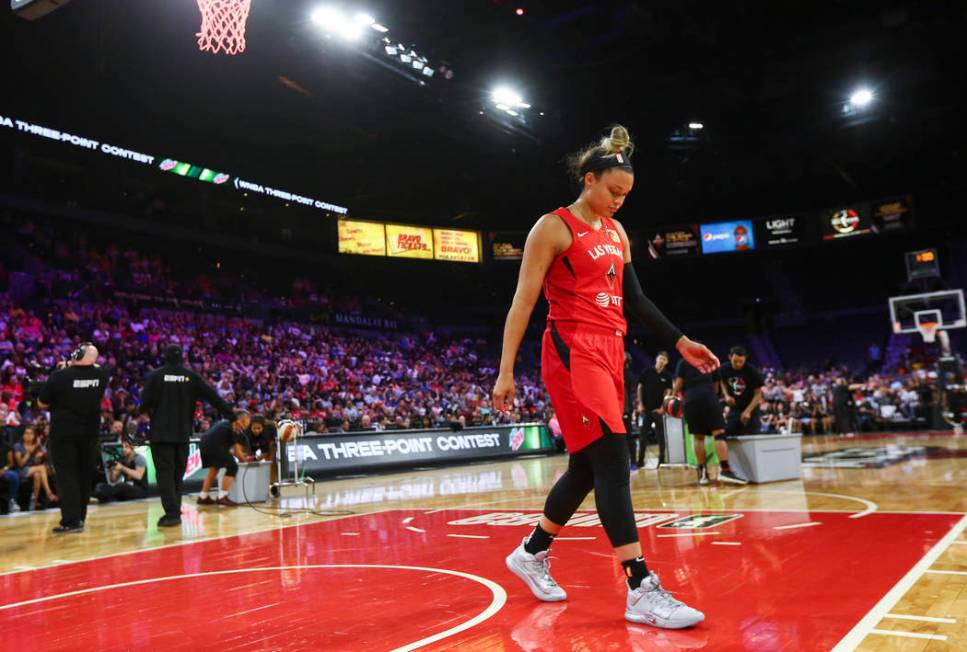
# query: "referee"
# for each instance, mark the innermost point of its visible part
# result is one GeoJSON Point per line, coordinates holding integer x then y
{"type": "Point", "coordinates": [169, 398]}
{"type": "Point", "coordinates": [73, 394]}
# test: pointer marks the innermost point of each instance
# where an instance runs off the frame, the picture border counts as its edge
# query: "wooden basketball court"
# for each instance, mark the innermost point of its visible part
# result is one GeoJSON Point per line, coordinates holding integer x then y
{"type": "Point", "coordinates": [866, 552]}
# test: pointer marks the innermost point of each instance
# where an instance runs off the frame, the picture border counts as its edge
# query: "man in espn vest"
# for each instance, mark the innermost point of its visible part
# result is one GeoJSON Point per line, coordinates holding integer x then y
{"type": "Point", "coordinates": [73, 394]}
{"type": "Point", "coordinates": [169, 398]}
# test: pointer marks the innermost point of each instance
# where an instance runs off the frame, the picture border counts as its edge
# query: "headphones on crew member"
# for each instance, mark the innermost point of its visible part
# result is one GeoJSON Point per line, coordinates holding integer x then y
{"type": "Point", "coordinates": [81, 351]}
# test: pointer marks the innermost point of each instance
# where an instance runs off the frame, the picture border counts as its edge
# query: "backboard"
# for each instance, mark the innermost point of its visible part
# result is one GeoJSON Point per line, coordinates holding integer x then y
{"type": "Point", "coordinates": [910, 312]}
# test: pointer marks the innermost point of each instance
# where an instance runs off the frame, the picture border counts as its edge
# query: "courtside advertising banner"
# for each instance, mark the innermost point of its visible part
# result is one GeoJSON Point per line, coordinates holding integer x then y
{"type": "Point", "coordinates": [361, 452]}
{"type": "Point", "coordinates": [456, 246]}
{"type": "Point", "coordinates": [365, 238]}
{"type": "Point", "coordinates": [409, 241]}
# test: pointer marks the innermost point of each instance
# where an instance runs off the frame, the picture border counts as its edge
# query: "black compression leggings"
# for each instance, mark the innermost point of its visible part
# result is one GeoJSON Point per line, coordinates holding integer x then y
{"type": "Point", "coordinates": [602, 466]}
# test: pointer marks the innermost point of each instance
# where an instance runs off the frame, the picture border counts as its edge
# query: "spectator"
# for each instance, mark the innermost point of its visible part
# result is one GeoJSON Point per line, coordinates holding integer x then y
{"type": "Point", "coordinates": [30, 455]}
{"type": "Point", "coordinates": [8, 476]}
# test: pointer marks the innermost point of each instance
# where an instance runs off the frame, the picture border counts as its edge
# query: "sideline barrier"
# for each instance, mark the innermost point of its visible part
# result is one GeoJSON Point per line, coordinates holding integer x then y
{"type": "Point", "coordinates": [363, 452]}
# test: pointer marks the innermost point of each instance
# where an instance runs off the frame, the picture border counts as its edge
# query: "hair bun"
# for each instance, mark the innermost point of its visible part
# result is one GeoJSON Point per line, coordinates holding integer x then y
{"type": "Point", "coordinates": [618, 141]}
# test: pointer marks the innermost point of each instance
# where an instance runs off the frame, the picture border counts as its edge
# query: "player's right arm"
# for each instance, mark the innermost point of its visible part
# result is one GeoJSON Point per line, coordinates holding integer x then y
{"type": "Point", "coordinates": [549, 237]}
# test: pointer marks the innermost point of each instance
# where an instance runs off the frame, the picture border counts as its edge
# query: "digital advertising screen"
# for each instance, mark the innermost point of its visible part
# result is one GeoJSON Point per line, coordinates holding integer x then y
{"type": "Point", "coordinates": [673, 241]}
{"type": "Point", "coordinates": [723, 237]}
{"type": "Point", "coordinates": [456, 246]}
{"type": "Point", "coordinates": [507, 245]}
{"type": "Point", "coordinates": [409, 241]}
{"type": "Point", "coordinates": [846, 222]}
{"type": "Point", "coordinates": [365, 238]}
{"type": "Point", "coordinates": [892, 214]}
{"type": "Point", "coordinates": [781, 230]}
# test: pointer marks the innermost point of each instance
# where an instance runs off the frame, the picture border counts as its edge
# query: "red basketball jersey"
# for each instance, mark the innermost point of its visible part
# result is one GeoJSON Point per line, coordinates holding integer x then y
{"type": "Point", "coordinates": [583, 283]}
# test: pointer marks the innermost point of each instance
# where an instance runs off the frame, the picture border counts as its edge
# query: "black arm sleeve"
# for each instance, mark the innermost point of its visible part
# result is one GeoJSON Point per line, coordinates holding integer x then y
{"type": "Point", "coordinates": [640, 307]}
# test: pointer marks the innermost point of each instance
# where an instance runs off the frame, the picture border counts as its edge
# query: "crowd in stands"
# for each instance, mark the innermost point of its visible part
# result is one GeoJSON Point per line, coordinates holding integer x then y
{"type": "Point", "coordinates": [335, 379]}
{"type": "Point", "coordinates": [798, 401]}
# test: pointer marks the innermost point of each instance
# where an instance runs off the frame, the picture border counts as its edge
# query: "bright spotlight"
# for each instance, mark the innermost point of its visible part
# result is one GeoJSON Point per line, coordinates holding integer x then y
{"type": "Point", "coordinates": [428, 71]}
{"type": "Point", "coordinates": [364, 19]}
{"type": "Point", "coordinates": [335, 22]}
{"type": "Point", "coordinates": [695, 126]}
{"type": "Point", "coordinates": [504, 95]}
{"type": "Point", "coordinates": [382, 29]}
{"type": "Point", "coordinates": [861, 97]}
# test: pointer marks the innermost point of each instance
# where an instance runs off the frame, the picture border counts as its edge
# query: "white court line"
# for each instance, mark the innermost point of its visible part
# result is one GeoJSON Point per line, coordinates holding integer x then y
{"type": "Point", "coordinates": [901, 634]}
{"type": "Point", "coordinates": [187, 542]}
{"type": "Point", "coordinates": [726, 543]}
{"type": "Point", "coordinates": [350, 534]}
{"type": "Point", "coordinates": [867, 624]}
{"type": "Point", "coordinates": [947, 572]}
{"type": "Point", "coordinates": [496, 604]}
{"type": "Point", "coordinates": [796, 525]}
{"type": "Point", "coordinates": [870, 505]}
{"type": "Point", "coordinates": [924, 619]}
{"type": "Point", "coordinates": [415, 529]}
{"type": "Point", "coordinates": [685, 534]}
{"type": "Point", "coordinates": [469, 536]}
{"type": "Point", "coordinates": [575, 538]}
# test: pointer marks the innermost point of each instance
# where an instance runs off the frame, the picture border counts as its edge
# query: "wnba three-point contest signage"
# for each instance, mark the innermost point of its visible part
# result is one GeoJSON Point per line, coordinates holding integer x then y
{"type": "Point", "coordinates": [359, 452]}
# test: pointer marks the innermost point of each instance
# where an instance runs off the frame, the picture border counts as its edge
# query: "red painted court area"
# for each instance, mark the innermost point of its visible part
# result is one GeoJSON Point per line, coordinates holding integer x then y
{"type": "Point", "coordinates": [398, 580]}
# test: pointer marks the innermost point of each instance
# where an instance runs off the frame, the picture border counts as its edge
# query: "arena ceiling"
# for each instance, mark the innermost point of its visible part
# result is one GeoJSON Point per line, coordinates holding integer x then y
{"type": "Point", "coordinates": [767, 80]}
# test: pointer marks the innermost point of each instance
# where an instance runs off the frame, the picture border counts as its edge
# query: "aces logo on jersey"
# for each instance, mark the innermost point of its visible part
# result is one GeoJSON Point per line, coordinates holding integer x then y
{"type": "Point", "coordinates": [611, 275]}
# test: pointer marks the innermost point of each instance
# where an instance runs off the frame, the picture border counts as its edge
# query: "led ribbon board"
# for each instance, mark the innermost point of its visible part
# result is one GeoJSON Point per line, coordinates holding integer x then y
{"type": "Point", "coordinates": [170, 165]}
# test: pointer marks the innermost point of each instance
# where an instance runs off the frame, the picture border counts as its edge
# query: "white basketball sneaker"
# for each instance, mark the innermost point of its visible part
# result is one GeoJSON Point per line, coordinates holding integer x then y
{"type": "Point", "coordinates": [535, 570]}
{"type": "Point", "coordinates": [652, 605]}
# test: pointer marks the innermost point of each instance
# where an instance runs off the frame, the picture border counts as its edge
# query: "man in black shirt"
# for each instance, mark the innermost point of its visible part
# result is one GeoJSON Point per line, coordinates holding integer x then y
{"type": "Point", "coordinates": [262, 435]}
{"type": "Point", "coordinates": [169, 397]}
{"type": "Point", "coordinates": [741, 385]}
{"type": "Point", "coordinates": [127, 476]}
{"type": "Point", "coordinates": [654, 384]}
{"type": "Point", "coordinates": [220, 445]}
{"type": "Point", "coordinates": [703, 415]}
{"type": "Point", "coordinates": [843, 406]}
{"type": "Point", "coordinates": [73, 394]}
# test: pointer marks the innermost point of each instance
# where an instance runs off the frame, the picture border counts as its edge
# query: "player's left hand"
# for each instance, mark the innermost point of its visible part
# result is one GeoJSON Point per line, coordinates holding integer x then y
{"type": "Point", "coordinates": [697, 355]}
{"type": "Point", "coordinates": [744, 418]}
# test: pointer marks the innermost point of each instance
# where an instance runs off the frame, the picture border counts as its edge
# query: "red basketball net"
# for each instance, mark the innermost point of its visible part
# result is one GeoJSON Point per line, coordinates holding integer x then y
{"type": "Point", "coordinates": [223, 25]}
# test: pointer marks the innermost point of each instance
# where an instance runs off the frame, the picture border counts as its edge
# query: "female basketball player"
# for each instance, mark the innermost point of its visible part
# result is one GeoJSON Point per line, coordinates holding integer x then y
{"type": "Point", "coordinates": [703, 414]}
{"type": "Point", "coordinates": [582, 258]}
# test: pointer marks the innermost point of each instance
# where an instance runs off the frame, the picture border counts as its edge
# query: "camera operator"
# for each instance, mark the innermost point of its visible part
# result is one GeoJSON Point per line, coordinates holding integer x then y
{"type": "Point", "coordinates": [169, 398]}
{"type": "Point", "coordinates": [127, 476]}
{"type": "Point", "coordinates": [73, 394]}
